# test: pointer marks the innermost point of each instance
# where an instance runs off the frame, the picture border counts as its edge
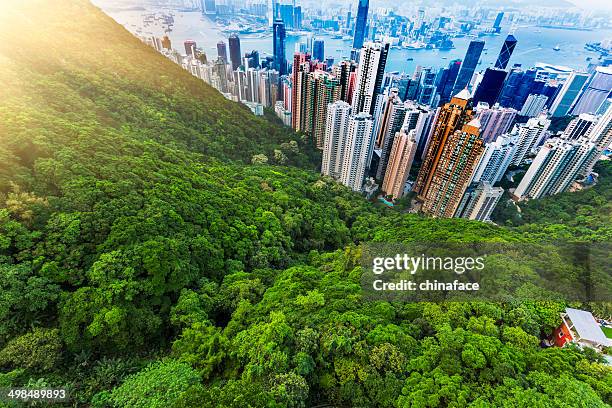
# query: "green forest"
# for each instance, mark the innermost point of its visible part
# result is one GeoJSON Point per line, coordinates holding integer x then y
{"type": "Point", "coordinates": [161, 247]}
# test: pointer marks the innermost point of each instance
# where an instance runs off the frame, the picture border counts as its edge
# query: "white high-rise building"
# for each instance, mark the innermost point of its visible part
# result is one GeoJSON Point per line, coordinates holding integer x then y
{"type": "Point", "coordinates": [495, 160]}
{"type": "Point", "coordinates": [601, 136]}
{"type": "Point", "coordinates": [400, 162]}
{"type": "Point", "coordinates": [556, 166]}
{"type": "Point", "coordinates": [358, 149]}
{"type": "Point", "coordinates": [372, 61]}
{"type": "Point", "coordinates": [579, 126]}
{"type": "Point", "coordinates": [479, 201]}
{"type": "Point", "coordinates": [336, 127]}
{"type": "Point", "coordinates": [534, 105]}
{"type": "Point", "coordinates": [495, 121]}
{"type": "Point", "coordinates": [530, 135]}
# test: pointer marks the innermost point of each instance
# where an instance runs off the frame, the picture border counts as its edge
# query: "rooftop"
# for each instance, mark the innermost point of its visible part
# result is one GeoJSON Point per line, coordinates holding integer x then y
{"type": "Point", "coordinates": [587, 327]}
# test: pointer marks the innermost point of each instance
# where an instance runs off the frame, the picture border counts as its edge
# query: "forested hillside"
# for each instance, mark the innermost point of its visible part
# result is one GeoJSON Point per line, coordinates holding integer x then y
{"type": "Point", "coordinates": [145, 262]}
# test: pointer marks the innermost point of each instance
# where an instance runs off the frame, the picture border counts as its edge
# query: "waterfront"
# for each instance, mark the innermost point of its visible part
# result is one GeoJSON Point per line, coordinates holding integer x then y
{"type": "Point", "coordinates": [535, 44]}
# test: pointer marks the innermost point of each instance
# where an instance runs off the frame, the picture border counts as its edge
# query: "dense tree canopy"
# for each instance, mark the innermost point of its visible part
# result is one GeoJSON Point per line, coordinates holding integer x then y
{"type": "Point", "coordinates": [162, 247]}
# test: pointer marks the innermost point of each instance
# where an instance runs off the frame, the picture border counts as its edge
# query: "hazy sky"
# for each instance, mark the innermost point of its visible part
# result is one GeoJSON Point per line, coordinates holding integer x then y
{"type": "Point", "coordinates": [583, 4]}
{"type": "Point", "coordinates": [593, 4]}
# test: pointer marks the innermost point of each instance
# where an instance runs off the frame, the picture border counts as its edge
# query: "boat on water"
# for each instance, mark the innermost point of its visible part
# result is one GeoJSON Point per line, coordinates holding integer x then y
{"type": "Point", "coordinates": [556, 47]}
{"type": "Point", "coordinates": [410, 59]}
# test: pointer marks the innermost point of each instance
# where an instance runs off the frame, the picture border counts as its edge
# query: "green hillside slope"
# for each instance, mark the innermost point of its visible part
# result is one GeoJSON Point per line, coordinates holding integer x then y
{"type": "Point", "coordinates": [144, 262]}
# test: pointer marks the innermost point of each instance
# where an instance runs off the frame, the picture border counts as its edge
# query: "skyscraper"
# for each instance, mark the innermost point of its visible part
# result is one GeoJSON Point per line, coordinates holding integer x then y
{"type": "Point", "coordinates": [234, 49]}
{"type": "Point", "coordinates": [494, 121]}
{"type": "Point", "coordinates": [318, 50]}
{"type": "Point", "coordinates": [447, 87]}
{"type": "Point", "coordinates": [357, 151]}
{"type": "Point", "coordinates": [452, 116]}
{"type": "Point", "coordinates": [506, 52]}
{"type": "Point", "coordinates": [336, 127]}
{"type": "Point", "coordinates": [472, 56]}
{"type": "Point", "coordinates": [596, 92]}
{"type": "Point", "coordinates": [498, 20]}
{"type": "Point", "coordinates": [360, 23]}
{"type": "Point", "coordinates": [222, 51]}
{"type": "Point", "coordinates": [286, 14]}
{"type": "Point", "coordinates": [479, 201]}
{"type": "Point", "coordinates": [400, 163]}
{"type": "Point", "coordinates": [451, 176]}
{"type": "Point", "coordinates": [530, 135]}
{"type": "Point", "coordinates": [278, 46]}
{"type": "Point", "coordinates": [489, 88]}
{"type": "Point", "coordinates": [369, 76]}
{"type": "Point", "coordinates": [568, 94]}
{"type": "Point", "coordinates": [252, 59]}
{"type": "Point", "coordinates": [555, 167]}
{"type": "Point", "coordinates": [190, 48]}
{"type": "Point", "coordinates": [426, 93]}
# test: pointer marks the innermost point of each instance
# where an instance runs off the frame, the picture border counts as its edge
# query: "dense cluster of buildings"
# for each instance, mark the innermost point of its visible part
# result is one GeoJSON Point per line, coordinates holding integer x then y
{"type": "Point", "coordinates": [462, 129]}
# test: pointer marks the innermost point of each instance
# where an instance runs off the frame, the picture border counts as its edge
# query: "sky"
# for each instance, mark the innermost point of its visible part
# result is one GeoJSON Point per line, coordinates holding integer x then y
{"type": "Point", "coordinates": [593, 4]}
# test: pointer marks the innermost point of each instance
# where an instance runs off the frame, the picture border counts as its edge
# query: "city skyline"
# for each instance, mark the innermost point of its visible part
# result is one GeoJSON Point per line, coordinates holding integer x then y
{"type": "Point", "coordinates": [463, 124]}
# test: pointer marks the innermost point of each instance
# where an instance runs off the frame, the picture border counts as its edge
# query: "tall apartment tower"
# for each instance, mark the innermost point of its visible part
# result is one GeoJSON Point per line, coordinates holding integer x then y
{"type": "Point", "coordinates": [400, 162]}
{"type": "Point", "coordinates": [300, 91]}
{"type": "Point", "coordinates": [568, 94]}
{"type": "Point", "coordinates": [579, 126]}
{"type": "Point", "coordinates": [555, 167]}
{"type": "Point", "coordinates": [451, 117]}
{"type": "Point", "coordinates": [601, 136]}
{"type": "Point", "coordinates": [472, 56]}
{"type": "Point", "coordinates": [369, 77]}
{"type": "Point", "coordinates": [451, 177]}
{"type": "Point", "coordinates": [494, 121]}
{"type": "Point", "coordinates": [530, 135]}
{"type": "Point", "coordinates": [342, 72]}
{"type": "Point", "coordinates": [495, 160]}
{"type": "Point", "coordinates": [326, 90]}
{"type": "Point", "coordinates": [336, 127]}
{"type": "Point", "coordinates": [358, 149]}
{"type": "Point", "coordinates": [384, 107]}
{"type": "Point", "coordinates": [479, 201]}
{"type": "Point", "coordinates": [394, 118]}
